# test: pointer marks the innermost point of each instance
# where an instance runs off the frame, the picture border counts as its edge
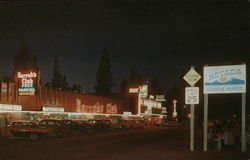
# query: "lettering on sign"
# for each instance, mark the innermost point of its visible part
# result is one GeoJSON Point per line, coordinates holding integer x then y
{"type": "Point", "coordinates": [26, 83]}
{"type": "Point", "coordinates": [192, 95]}
{"type": "Point", "coordinates": [96, 108]}
{"type": "Point", "coordinates": [225, 79]}
{"type": "Point", "coordinates": [192, 77]}
{"type": "Point", "coordinates": [111, 108]}
{"type": "Point", "coordinates": [133, 90]}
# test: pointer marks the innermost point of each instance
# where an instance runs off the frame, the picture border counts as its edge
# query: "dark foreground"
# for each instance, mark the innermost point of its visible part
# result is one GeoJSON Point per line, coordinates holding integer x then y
{"type": "Point", "coordinates": [149, 144]}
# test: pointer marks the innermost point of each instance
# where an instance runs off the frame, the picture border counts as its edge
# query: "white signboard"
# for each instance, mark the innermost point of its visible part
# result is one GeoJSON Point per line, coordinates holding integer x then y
{"type": "Point", "coordinates": [225, 79]}
{"type": "Point", "coordinates": [160, 98]}
{"type": "Point", "coordinates": [133, 90]}
{"type": "Point", "coordinates": [10, 107]}
{"type": "Point", "coordinates": [192, 95]}
{"type": "Point", "coordinates": [127, 113]}
{"type": "Point", "coordinates": [53, 109]}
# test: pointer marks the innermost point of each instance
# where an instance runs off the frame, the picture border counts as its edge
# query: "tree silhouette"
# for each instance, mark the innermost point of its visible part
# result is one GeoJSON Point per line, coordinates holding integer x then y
{"type": "Point", "coordinates": [104, 75]}
{"type": "Point", "coordinates": [58, 81]}
{"type": "Point", "coordinates": [24, 61]}
{"type": "Point", "coordinates": [76, 88]}
{"type": "Point", "coordinates": [65, 83]}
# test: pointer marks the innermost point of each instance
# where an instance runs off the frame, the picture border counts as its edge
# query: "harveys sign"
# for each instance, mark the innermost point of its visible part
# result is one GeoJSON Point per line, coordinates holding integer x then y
{"type": "Point", "coordinates": [96, 108]}
{"type": "Point", "coordinates": [27, 83]}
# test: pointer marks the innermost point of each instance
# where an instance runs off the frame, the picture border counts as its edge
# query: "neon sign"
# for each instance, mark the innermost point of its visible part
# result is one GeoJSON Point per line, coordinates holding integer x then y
{"type": "Point", "coordinates": [26, 83]}
{"type": "Point", "coordinates": [133, 90]}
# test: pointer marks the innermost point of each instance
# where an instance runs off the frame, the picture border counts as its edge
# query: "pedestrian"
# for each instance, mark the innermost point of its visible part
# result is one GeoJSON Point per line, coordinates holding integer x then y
{"type": "Point", "coordinates": [218, 132]}
{"type": "Point", "coordinates": [236, 132]}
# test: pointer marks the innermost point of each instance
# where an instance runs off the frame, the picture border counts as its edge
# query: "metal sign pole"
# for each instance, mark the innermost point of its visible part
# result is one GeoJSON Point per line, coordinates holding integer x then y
{"type": "Point", "coordinates": [192, 128]}
{"type": "Point", "coordinates": [243, 127]}
{"type": "Point", "coordinates": [205, 122]}
{"type": "Point", "coordinates": [191, 78]}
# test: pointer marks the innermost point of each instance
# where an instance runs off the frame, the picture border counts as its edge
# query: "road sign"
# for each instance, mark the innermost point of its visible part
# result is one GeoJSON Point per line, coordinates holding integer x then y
{"type": "Point", "coordinates": [192, 77]}
{"type": "Point", "coordinates": [192, 95]}
{"type": "Point", "coordinates": [225, 79]}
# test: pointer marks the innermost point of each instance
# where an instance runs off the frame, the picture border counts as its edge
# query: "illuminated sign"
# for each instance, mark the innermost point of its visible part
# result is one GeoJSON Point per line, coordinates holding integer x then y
{"type": "Point", "coordinates": [95, 108]}
{"type": "Point", "coordinates": [143, 91]}
{"type": "Point", "coordinates": [133, 90]}
{"type": "Point", "coordinates": [53, 109]}
{"type": "Point", "coordinates": [27, 83]}
{"type": "Point", "coordinates": [151, 97]}
{"type": "Point", "coordinates": [225, 79]}
{"type": "Point", "coordinates": [151, 103]}
{"type": "Point", "coordinates": [164, 110]}
{"type": "Point", "coordinates": [160, 98]}
{"type": "Point", "coordinates": [10, 107]}
{"type": "Point", "coordinates": [127, 113]}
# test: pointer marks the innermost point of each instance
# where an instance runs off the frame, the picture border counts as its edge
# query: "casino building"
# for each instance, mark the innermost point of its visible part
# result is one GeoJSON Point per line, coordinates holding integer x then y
{"type": "Point", "coordinates": [27, 100]}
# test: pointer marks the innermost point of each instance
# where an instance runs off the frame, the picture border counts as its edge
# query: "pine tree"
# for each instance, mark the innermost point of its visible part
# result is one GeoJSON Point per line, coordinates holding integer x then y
{"type": "Point", "coordinates": [76, 88]}
{"type": "Point", "coordinates": [104, 76]}
{"type": "Point", "coordinates": [58, 81]}
{"type": "Point", "coordinates": [65, 84]}
{"type": "Point", "coordinates": [24, 61]}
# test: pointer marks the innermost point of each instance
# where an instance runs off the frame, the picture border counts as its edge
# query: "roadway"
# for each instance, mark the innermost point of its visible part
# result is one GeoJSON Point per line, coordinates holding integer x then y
{"type": "Point", "coordinates": [149, 144]}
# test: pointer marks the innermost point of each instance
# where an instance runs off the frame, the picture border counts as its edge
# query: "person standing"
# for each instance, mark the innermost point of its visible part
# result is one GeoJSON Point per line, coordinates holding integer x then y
{"type": "Point", "coordinates": [218, 131]}
{"type": "Point", "coordinates": [236, 132]}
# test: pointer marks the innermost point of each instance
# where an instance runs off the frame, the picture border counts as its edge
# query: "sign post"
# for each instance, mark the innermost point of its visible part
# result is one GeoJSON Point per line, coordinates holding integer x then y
{"type": "Point", "coordinates": [243, 126]}
{"type": "Point", "coordinates": [224, 80]}
{"type": "Point", "coordinates": [205, 122]}
{"type": "Point", "coordinates": [191, 98]}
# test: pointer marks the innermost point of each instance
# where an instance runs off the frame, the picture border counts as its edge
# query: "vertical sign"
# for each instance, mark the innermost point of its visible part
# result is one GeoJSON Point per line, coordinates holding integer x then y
{"type": "Point", "coordinates": [27, 83]}
{"type": "Point", "coordinates": [191, 78]}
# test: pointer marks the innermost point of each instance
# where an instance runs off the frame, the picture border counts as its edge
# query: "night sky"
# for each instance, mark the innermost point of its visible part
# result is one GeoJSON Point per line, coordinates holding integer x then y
{"type": "Point", "coordinates": [160, 38]}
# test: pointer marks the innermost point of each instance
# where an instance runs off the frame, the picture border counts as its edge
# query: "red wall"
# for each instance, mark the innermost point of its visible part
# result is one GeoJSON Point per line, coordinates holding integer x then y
{"type": "Point", "coordinates": [68, 100]}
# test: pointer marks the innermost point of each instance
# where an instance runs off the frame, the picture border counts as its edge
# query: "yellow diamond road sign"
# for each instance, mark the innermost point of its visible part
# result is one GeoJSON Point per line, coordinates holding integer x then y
{"type": "Point", "coordinates": [192, 77]}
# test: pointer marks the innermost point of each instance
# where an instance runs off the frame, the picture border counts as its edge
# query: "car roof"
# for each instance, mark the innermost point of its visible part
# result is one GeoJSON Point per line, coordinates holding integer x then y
{"type": "Point", "coordinates": [21, 121]}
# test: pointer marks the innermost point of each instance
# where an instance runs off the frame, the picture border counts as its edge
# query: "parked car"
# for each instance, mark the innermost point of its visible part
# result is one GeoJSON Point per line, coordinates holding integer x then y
{"type": "Point", "coordinates": [27, 129]}
{"type": "Point", "coordinates": [58, 128]}
{"type": "Point", "coordinates": [127, 124]}
{"type": "Point", "coordinates": [113, 126]}
{"type": "Point", "coordinates": [86, 125]}
{"type": "Point", "coordinates": [140, 124]}
{"type": "Point", "coordinates": [73, 127]}
{"type": "Point", "coordinates": [98, 125]}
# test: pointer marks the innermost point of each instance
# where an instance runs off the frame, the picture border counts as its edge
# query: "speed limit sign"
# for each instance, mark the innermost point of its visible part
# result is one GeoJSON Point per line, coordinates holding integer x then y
{"type": "Point", "coordinates": [192, 95]}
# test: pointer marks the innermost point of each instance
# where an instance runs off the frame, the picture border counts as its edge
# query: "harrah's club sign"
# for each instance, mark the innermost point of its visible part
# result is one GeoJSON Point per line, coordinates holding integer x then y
{"type": "Point", "coordinates": [27, 83]}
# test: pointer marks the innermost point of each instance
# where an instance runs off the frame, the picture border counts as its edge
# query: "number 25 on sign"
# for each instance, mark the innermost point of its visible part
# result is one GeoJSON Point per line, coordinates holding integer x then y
{"type": "Point", "coordinates": [192, 95]}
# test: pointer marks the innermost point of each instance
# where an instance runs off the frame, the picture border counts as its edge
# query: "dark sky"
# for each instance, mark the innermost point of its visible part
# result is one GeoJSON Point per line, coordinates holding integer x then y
{"type": "Point", "coordinates": [160, 38]}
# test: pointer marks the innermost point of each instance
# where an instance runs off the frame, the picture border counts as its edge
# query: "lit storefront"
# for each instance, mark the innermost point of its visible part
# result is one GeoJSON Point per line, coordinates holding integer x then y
{"type": "Point", "coordinates": [27, 100]}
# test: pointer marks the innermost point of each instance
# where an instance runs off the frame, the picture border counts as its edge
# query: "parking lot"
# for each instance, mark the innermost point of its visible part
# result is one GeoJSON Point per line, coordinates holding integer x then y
{"type": "Point", "coordinates": [138, 144]}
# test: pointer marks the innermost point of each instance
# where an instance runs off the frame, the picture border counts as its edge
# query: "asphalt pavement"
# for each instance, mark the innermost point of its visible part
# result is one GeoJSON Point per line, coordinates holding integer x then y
{"type": "Point", "coordinates": [148, 144]}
